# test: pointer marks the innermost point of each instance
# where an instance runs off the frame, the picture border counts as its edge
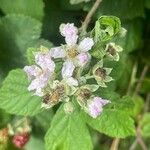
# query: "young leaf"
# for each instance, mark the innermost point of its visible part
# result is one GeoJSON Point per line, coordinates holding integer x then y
{"type": "Point", "coordinates": [113, 123]}
{"type": "Point", "coordinates": [15, 97]}
{"type": "Point", "coordinates": [106, 27]}
{"type": "Point", "coordinates": [31, 8]}
{"type": "Point", "coordinates": [68, 132]}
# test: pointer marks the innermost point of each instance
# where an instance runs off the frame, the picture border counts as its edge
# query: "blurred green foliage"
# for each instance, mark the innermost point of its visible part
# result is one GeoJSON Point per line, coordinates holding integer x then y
{"type": "Point", "coordinates": [30, 23]}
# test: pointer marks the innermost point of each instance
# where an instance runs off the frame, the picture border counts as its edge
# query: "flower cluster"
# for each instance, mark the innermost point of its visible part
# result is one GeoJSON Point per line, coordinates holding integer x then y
{"type": "Point", "coordinates": [70, 80]}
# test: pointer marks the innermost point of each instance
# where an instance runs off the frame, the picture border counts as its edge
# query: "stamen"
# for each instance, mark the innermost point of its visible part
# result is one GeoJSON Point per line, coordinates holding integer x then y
{"type": "Point", "coordinates": [101, 73]}
{"type": "Point", "coordinates": [72, 53]}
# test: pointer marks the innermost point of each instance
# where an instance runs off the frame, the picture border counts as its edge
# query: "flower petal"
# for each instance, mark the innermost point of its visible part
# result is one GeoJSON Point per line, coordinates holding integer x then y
{"type": "Point", "coordinates": [86, 44]}
{"type": "Point", "coordinates": [101, 101]}
{"type": "Point", "coordinates": [71, 40]}
{"type": "Point", "coordinates": [57, 52]}
{"type": "Point", "coordinates": [71, 81]}
{"type": "Point", "coordinates": [32, 71]}
{"type": "Point", "coordinates": [44, 61]}
{"type": "Point", "coordinates": [68, 30]}
{"type": "Point", "coordinates": [67, 69]}
{"type": "Point", "coordinates": [83, 58]}
{"type": "Point", "coordinates": [95, 106]}
{"type": "Point", "coordinates": [39, 82]}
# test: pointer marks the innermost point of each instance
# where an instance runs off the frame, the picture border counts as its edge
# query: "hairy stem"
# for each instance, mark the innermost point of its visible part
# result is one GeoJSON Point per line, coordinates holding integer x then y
{"type": "Point", "coordinates": [89, 16]}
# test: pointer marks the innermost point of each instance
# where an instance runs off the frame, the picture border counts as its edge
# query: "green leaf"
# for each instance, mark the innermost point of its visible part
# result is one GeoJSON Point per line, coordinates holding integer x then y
{"type": "Point", "coordinates": [15, 97]}
{"type": "Point", "coordinates": [33, 8]}
{"type": "Point", "coordinates": [138, 106]}
{"type": "Point", "coordinates": [106, 27]}
{"type": "Point", "coordinates": [133, 38]}
{"type": "Point", "coordinates": [68, 132]}
{"type": "Point", "coordinates": [35, 142]}
{"type": "Point", "coordinates": [17, 32]}
{"type": "Point", "coordinates": [43, 120]}
{"type": "Point", "coordinates": [145, 86]}
{"type": "Point", "coordinates": [4, 118]}
{"type": "Point", "coordinates": [30, 55]}
{"type": "Point", "coordinates": [147, 4]}
{"type": "Point", "coordinates": [145, 125]}
{"type": "Point", "coordinates": [125, 104]}
{"type": "Point", "coordinates": [113, 123]}
{"type": "Point", "coordinates": [105, 93]}
{"type": "Point", "coordinates": [98, 51]}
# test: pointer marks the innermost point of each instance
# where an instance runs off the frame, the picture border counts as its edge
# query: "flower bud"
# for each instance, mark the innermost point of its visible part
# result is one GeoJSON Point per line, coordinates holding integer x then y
{"type": "Point", "coordinates": [3, 138]}
{"type": "Point", "coordinates": [68, 108]}
{"type": "Point", "coordinates": [112, 51]}
{"type": "Point", "coordinates": [95, 106]}
{"type": "Point", "coordinates": [20, 140]}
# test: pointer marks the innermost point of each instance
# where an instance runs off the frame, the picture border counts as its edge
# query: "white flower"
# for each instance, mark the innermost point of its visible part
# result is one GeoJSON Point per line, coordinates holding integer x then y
{"type": "Point", "coordinates": [32, 71]}
{"type": "Point", "coordinates": [43, 59]}
{"type": "Point", "coordinates": [95, 106]}
{"type": "Point", "coordinates": [68, 29]}
{"type": "Point", "coordinates": [75, 55]}
{"type": "Point", "coordinates": [67, 72]}
{"type": "Point", "coordinates": [39, 75]}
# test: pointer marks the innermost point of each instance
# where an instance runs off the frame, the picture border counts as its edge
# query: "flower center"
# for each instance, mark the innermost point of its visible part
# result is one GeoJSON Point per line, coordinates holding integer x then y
{"type": "Point", "coordinates": [101, 73]}
{"type": "Point", "coordinates": [54, 96]}
{"type": "Point", "coordinates": [72, 53]}
{"type": "Point", "coordinates": [111, 50]}
{"type": "Point", "coordinates": [85, 94]}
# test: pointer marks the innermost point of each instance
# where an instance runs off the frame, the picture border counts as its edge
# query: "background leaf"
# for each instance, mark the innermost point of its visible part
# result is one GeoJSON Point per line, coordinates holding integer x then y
{"type": "Point", "coordinates": [33, 8]}
{"type": "Point", "coordinates": [17, 32]}
{"type": "Point", "coordinates": [113, 123]}
{"type": "Point", "coordinates": [15, 97]}
{"type": "Point", "coordinates": [124, 9]}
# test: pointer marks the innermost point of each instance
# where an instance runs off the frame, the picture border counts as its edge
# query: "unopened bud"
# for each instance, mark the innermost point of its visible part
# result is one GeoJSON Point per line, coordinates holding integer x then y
{"type": "Point", "coordinates": [68, 108]}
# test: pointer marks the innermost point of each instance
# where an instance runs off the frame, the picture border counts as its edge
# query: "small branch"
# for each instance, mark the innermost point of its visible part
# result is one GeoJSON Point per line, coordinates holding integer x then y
{"type": "Point", "coordinates": [115, 144]}
{"type": "Point", "coordinates": [141, 80]}
{"type": "Point", "coordinates": [131, 82]}
{"type": "Point", "coordinates": [89, 16]}
{"type": "Point", "coordinates": [139, 140]}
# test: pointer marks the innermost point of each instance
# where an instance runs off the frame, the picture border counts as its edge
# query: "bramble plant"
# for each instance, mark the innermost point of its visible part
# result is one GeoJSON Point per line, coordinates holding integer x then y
{"type": "Point", "coordinates": [73, 89]}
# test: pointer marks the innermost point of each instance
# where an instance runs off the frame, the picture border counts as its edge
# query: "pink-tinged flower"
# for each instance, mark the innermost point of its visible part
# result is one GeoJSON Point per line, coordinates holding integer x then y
{"type": "Point", "coordinates": [68, 29]}
{"type": "Point", "coordinates": [39, 75]}
{"type": "Point", "coordinates": [83, 59]}
{"type": "Point", "coordinates": [95, 106]}
{"type": "Point", "coordinates": [75, 55]}
{"type": "Point", "coordinates": [43, 59]}
{"type": "Point", "coordinates": [32, 71]}
{"type": "Point", "coordinates": [20, 140]}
